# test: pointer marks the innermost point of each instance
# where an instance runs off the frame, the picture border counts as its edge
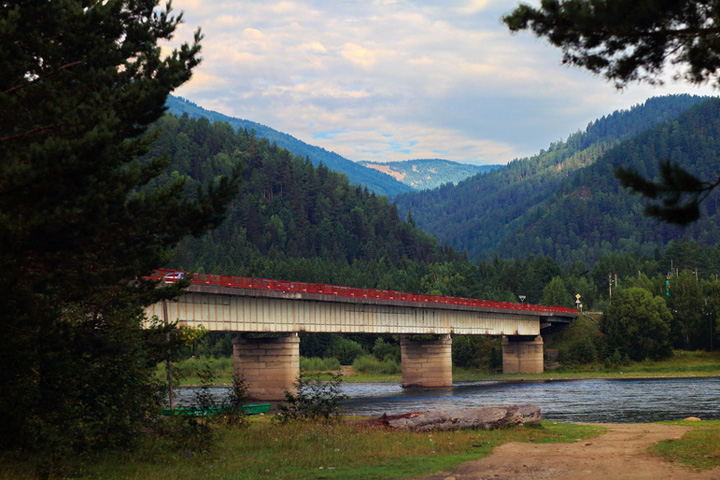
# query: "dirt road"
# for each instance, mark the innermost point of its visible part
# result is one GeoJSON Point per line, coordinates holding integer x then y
{"type": "Point", "coordinates": [619, 454]}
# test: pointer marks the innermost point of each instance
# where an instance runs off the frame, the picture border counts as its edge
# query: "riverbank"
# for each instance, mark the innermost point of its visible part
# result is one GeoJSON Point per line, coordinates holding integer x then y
{"type": "Point", "coordinates": [681, 364]}
{"type": "Point", "coordinates": [349, 451]}
{"type": "Point", "coordinates": [306, 450]}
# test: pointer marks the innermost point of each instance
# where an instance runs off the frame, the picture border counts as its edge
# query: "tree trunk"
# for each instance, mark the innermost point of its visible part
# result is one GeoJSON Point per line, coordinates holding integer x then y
{"type": "Point", "coordinates": [457, 418]}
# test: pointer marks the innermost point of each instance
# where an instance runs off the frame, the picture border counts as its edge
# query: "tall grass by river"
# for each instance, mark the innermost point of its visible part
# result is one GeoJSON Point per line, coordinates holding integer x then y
{"type": "Point", "coordinates": [309, 450]}
{"type": "Point", "coordinates": [347, 451]}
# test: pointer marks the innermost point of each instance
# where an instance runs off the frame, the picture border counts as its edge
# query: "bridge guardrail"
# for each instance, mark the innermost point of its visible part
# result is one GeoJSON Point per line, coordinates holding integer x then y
{"type": "Point", "coordinates": [254, 283]}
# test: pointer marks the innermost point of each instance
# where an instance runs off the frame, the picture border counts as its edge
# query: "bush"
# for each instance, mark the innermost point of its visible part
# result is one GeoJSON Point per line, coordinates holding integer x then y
{"type": "Point", "coordinates": [370, 364]}
{"type": "Point", "coordinates": [193, 367]}
{"type": "Point", "coordinates": [616, 360]}
{"type": "Point", "coordinates": [314, 400]}
{"type": "Point", "coordinates": [316, 364]}
{"type": "Point", "coordinates": [463, 352]}
{"type": "Point", "coordinates": [582, 351]}
{"type": "Point", "coordinates": [346, 351]}
{"type": "Point", "coordinates": [474, 351]}
{"type": "Point", "coordinates": [383, 349]}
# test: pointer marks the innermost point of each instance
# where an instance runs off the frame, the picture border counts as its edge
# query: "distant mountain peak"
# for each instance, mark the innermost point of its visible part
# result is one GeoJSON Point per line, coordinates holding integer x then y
{"type": "Point", "coordinates": [374, 180]}
{"type": "Point", "coordinates": [426, 174]}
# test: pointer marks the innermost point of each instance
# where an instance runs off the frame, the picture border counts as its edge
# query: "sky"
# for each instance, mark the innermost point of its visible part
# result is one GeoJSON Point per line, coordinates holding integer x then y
{"type": "Point", "coordinates": [392, 80]}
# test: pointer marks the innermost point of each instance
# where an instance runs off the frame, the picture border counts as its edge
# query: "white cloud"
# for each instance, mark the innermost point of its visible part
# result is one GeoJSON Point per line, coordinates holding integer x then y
{"type": "Point", "coordinates": [394, 80]}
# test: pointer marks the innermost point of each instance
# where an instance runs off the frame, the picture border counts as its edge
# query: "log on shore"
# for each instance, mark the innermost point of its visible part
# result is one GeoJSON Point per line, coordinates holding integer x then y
{"type": "Point", "coordinates": [457, 418]}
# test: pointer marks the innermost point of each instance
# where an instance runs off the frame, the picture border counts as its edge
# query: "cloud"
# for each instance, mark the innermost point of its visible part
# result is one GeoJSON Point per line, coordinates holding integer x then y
{"type": "Point", "coordinates": [394, 80]}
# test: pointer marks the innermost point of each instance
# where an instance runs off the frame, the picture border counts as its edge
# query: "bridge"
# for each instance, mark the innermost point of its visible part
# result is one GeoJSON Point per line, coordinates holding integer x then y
{"type": "Point", "coordinates": [270, 366]}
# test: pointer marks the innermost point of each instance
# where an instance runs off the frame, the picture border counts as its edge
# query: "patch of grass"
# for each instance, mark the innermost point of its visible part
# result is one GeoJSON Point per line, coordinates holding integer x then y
{"type": "Point", "coordinates": [188, 372]}
{"type": "Point", "coordinates": [699, 448]}
{"type": "Point", "coordinates": [681, 364]}
{"type": "Point", "coordinates": [308, 450]}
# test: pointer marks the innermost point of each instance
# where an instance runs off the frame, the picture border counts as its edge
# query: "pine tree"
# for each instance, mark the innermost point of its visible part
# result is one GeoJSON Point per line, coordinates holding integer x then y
{"type": "Point", "coordinates": [628, 41]}
{"type": "Point", "coordinates": [82, 81]}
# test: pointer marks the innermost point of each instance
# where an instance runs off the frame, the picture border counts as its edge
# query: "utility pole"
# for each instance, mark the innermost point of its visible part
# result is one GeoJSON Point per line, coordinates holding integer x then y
{"type": "Point", "coordinates": [168, 363]}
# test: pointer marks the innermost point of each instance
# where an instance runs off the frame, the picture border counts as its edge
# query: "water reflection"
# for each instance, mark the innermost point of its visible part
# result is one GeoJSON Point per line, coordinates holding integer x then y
{"type": "Point", "coordinates": [593, 400]}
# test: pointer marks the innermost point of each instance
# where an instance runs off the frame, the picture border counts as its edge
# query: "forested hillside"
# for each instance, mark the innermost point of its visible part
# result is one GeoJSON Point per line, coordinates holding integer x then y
{"type": "Point", "coordinates": [497, 212]}
{"type": "Point", "coordinates": [357, 174]}
{"type": "Point", "coordinates": [429, 173]}
{"type": "Point", "coordinates": [292, 220]}
{"type": "Point", "coordinates": [591, 213]}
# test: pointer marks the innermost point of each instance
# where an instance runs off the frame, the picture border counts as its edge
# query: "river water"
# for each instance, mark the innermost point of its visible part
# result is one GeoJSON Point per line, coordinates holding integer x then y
{"type": "Point", "coordinates": [586, 400]}
{"type": "Point", "coordinates": [592, 400]}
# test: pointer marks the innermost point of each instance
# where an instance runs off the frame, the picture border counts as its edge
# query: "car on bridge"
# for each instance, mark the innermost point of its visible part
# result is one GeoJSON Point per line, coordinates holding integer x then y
{"type": "Point", "coordinates": [173, 277]}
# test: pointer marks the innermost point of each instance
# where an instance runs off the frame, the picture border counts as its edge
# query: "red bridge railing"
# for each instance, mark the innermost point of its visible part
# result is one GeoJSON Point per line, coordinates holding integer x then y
{"type": "Point", "coordinates": [252, 283]}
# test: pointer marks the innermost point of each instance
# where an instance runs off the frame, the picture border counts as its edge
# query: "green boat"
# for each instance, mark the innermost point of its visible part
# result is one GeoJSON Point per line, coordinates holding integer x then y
{"type": "Point", "coordinates": [206, 412]}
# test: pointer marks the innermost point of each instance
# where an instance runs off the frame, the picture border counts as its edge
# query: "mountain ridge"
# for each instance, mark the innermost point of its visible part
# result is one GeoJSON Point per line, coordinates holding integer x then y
{"type": "Point", "coordinates": [357, 174]}
{"type": "Point", "coordinates": [485, 214]}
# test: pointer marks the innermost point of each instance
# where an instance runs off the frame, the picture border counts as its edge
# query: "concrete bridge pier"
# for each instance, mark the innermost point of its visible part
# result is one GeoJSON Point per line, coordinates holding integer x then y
{"type": "Point", "coordinates": [522, 354]}
{"type": "Point", "coordinates": [426, 363]}
{"type": "Point", "coordinates": [268, 366]}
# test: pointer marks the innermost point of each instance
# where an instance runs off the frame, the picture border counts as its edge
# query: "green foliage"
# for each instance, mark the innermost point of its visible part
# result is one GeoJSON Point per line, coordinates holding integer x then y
{"type": "Point", "coordinates": [315, 364]}
{"type": "Point", "coordinates": [637, 324]}
{"type": "Point", "coordinates": [580, 352]}
{"type": "Point", "coordinates": [234, 413]}
{"type": "Point", "coordinates": [564, 202]}
{"type": "Point", "coordinates": [699, 448]}
{"type": "Point", "coordinates": [680, 193]}
{"type": "Point", "coordinates": [79, 224]}
{"type": "Point", "coordinates": [627, 42]}
{"type": "Point", "coordinates": [345, 350]}
{"type": "Point", "coordinates": [291, 219]}
{"type": "Point", "coordinates": [463, 352]}
{"type": "Point", "coordinates": [313, 400]}
{"type": "Point", "coordinates": [371, 364]}
{"type": "Point", "coordinates": [686, 303]}
{"type": "Point", "coordinates": [616, 359]}
{"type": "Point", "coordinates": [580, 343]}
{"type": "Point", "coordinates": [214, 344]}
{"type": "Point", "coordinates": [377, 182]}
{"type": "Point", "coordinates": [477, 352]}
{"type": "Point", "coordinates": [194, 367]}
{"type": "Point", "coordinates": [189, 434]}
{"type": "Point", "coordinates": [386, 349]}
{"type": "Point", "coordinates": [308, 450]}
{"type": "Point", "coordinates": [556, 293]}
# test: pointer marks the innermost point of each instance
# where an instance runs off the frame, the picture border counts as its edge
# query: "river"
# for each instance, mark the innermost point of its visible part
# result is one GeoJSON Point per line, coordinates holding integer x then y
{"type": "Point", "coordinates": [587, 400]}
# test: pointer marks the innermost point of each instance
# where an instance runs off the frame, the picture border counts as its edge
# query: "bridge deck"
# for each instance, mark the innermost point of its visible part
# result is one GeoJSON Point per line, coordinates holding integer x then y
{"type": "Point", "coordinates": [243, 304]}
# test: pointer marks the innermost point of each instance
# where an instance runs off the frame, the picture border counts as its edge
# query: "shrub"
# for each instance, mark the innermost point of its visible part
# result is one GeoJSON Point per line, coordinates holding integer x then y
{"type": "Point", "coordinates": [616, 360]}
{"type": "Point", "coordinates": [383, 349]}
{"type": "Point", "coordinates": [370, 364]}
{"type": "Point", "coordinates": [582, 351]}
{"type": "Point", "coordinates": [316, 364]}
{"type": "Point", "coordinates": [471, 351]}
{"type": "Point", "coordinates": [314, 400]}
{"type": "Point", "coordinates": [345, 350]}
